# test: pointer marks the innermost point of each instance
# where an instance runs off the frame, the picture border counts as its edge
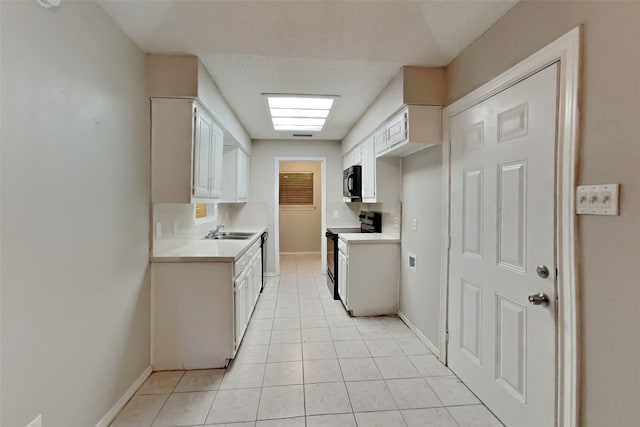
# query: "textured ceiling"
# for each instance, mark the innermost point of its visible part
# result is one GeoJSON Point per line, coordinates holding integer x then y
{"type": "Point", "coordinates": [346, 48]}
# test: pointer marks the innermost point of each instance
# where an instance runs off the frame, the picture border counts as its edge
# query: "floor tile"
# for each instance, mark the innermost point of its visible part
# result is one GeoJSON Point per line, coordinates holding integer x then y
{"type": "Point", "coordinates": [370, 396]}
{"type": "Point", "coordinates": [382, 348]}
{"type": "Point", "coordinates": [326, 398]}
{"type": "Point", "coordinates": [282, 373]}
{"type": "Point", "coordinates": [286, 323]}
{"type": "Point", "coordinates": [314, 322]}
{"type": "Point", "coordinates": [252, 354]}
{"type": "Point", "coordinates": [261, 324]}
{"type": "Point", "coordinates": [252, 337]}
{"type": "Point", "coordinates": [281, 402]}
{"type": "Point", "coordinates": [434, 417]}
{"type": "Point", "coordinates": [345, 333]}
{"type": "Point", "coordinates": [263, 313]}
{"type": "Point", "coordinates": [412, 346]}
{"type": "Point", "coordinates": [294, 311]}
{"type": "Point", "coordinates": [316, 335]}
{"type": "Point", "coordinates": [232, 406]}
{"type": "Point", "coordinates": [318, 350]}
{"type": "Point", "coordinates": [247, 424]}
{"type": "Point", "coordinates": [380, 419]}
{"type": "Point", "coordinates": [185, 409]}
{"type": "Point", "coordinates": [430, 366]}
{"type": "Point", "coordinates": [285, 336]}
{"type": "Point", "coordinates": [474, 416]}
{"type": "Point", "coordinates": [283, 422]}
{"type": "Point", "coordinates": [373, 332]}
{"type": "Point", "coordinates": [284, 353]}
{"type": "Point", "coordinates": [339, 321]}
{"type": "Point", "coordinates": [359, 369]}
{"type": "Point", "coordinates": [312, 312]}
{"type": "Point", "coordinates": [451, 391]}
{"type": "Point", "coordinates": [413, 393]}
{"type": "Point", "coordinates": [201, 380]}
{"type": "Point", "coordinates": [243, 376]}
{"type": "Point", "coordinates": [351, 349]}
{"type": "Point", "coordinates": [161, 382]}
{"type": "Point", "coordinates": [396, 367]}
{"type": "Point", "coordinates": [141, 410]}
{"type": "Point", "coordinates": [336, 420]}
{"type": "Point", "coordinates": [322, 371]}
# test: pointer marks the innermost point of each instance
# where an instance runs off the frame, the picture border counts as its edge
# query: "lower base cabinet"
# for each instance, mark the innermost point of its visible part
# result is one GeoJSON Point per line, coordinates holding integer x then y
{"type": "Point", "coordinates": [200, 311]}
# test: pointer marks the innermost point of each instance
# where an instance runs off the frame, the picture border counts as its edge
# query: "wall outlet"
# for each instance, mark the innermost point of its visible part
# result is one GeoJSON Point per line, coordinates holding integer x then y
{"type": "Point", "coordinates": [37, 422]}
{"type": "Point", "coordinates": [414, 224]}
{"type": "Point", "coordinates": [411, 264]}
{"type": "Point", "coordinates": [158, 230]}
{"type": "Point", "coordinates": [174, 227]}
{"type": "Point", "coordinates": [396, 221]}
{"type": "Point", "coordinates": [336, 214]}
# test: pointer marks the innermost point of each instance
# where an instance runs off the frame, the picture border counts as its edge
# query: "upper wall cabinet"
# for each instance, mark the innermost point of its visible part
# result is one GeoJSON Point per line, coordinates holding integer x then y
{"type": "Point", "coordinates": [184, 76]}
{"type": "Point", "coordinates": [406, 115]}
{"type": "Point", "coordinates": [414, 128]}
{"type": "Point", "coordinates": [186, 152]}
{"type": "Point", "coordinates": [236, 175]}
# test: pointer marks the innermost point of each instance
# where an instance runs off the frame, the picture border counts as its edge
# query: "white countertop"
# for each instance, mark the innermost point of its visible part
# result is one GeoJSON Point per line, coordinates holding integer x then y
{"type": "Point", "coordinates": [198, 250]}
{"type": "Point", "coordinates": [355, 238]}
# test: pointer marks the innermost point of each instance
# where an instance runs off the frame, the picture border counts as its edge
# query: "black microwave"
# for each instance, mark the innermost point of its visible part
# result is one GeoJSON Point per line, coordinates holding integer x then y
{"type": "Point", "coordinates": [352, 182]}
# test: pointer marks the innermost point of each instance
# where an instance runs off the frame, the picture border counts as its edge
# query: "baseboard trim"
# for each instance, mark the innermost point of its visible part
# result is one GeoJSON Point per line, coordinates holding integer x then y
{"type": "Point", "coordinates": [113, 412]}
{"type": "Point", "coordinates": [424, 339]}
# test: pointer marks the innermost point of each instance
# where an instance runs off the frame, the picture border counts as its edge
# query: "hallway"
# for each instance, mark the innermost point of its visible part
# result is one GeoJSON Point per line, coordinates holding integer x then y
{"type": "Point", "coordinates": [305, 362]}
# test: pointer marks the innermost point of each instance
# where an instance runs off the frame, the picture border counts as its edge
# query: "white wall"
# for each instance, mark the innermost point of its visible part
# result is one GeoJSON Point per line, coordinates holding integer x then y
{"type": "Point", "coordinates": [75, 214]}
{"type": "Point", "coordinates": [608, 152]}
{"type": "Point", "coordinates": [260, 209]}
{"type": "Point", "coordinates": [422, 193]}
{"type": "Point", "coordinates": [299, 225]}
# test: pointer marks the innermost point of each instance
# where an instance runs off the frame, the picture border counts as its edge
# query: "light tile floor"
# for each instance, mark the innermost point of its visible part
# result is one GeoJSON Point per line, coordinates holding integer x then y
{"type": "Point", "coordinates": [305, 362]}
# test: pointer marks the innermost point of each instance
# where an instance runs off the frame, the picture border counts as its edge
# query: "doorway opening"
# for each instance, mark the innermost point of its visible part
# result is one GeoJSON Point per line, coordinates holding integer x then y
{"type": "Point", "coordinates": [299, 214]}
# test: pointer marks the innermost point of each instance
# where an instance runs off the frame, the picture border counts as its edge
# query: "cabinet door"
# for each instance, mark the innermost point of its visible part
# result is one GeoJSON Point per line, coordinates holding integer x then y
{"type": "Point", "coordinates": [243, 176]}
{"type": "Point", "coordinates": [368, 171]}
{"type": "Point", "coordinates": [240, 306]}
{"type": "Point", "coordinates": [380, 140]}
{"type": "Point", "coordinates": [216, 161]}
{"type": "Point", "coordinates": [203, 152]}
{"type": "Point", "coordinates": [397, 129]}
{"type": "Point", "coordinates": [343, 276]}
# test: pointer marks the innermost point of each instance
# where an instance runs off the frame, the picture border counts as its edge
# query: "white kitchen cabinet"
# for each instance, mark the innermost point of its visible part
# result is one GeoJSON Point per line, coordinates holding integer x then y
{"type": "Point", "coordinates": [236, 175]}
{"type": "Point", "coordinates": [381, 176]}
{"type": "Point", "coordinates": [343, 276]}
{"type": "Point", "coordinates": [186, 152]}
{"type": "Point", "coordinates": [240, 306]}
{"type": "Point", "coordinates": [368, 170]}
{"type": "Point", "coordinates": [412, 129]}
{"type": "Point", "coordinates": [353, 157]}
{"type": "Point", "coordinates": [380, 140]}
{"type": "Point", "coordinates": [200, 310]}
{"type": "Point", "coordinates": [371, 272]}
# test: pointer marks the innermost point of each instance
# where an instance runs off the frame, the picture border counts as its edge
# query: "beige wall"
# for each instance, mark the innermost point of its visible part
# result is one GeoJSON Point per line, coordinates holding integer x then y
{"type": "Point", "coordinates": [300, 227]}
{"type": "Point", "coordinates": [260, 209]}
{"type": "Point", "coordinates": [420, 290]}
{"type": "Point", "coordinates": [75, 209]}
{"type": "Point", "coordinates": [609, 153]}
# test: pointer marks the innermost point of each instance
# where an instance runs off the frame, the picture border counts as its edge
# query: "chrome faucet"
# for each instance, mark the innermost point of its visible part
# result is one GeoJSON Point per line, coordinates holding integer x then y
{"type": "Point", "coordinates": [214, 233]}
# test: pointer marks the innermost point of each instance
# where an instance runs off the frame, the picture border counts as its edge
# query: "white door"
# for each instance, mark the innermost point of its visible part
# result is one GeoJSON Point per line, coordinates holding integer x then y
{"type": "Point", "coordinates": [502, 228]}
{"type": "Point", "coordinates": [203, 153]}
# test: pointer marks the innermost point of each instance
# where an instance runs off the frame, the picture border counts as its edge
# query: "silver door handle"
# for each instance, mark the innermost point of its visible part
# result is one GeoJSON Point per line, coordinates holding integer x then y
{"type": "Point", "coordinates": [539, 299]}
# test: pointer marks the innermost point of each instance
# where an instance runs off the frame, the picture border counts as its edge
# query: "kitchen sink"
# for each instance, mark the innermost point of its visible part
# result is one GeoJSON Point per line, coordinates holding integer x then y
{"type": "Point", "coordinates": [230, 235]}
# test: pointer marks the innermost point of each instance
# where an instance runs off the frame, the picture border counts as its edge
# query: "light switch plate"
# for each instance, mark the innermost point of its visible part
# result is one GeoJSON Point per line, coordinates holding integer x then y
{"type": "Point", "coordinates": [597, 199]}
{"type": "Point", "coordinates": [412, 262]}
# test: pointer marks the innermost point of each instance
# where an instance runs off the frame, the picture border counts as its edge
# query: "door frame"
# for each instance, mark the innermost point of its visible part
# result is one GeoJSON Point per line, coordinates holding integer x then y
{"type": "Point", "coordinates": [276, 208]}
{"type": "Point", "coordinates": [566, 52]}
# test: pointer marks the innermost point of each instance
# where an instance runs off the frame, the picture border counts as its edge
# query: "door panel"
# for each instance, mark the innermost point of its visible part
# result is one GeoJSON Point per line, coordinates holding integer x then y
{"type": "Point", "coordinates": [502, 227]}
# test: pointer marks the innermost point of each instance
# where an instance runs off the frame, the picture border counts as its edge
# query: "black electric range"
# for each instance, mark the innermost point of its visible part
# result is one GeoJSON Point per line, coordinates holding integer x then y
{"type": "Point", "coordinates": [370, 222]}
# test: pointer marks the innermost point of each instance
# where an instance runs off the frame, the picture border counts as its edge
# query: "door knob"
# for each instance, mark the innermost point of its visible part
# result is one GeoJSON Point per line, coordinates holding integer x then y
{"type": "Point", "coordinates": [542, 271]}
{"type": "Point", "coordinates": [539, 299]}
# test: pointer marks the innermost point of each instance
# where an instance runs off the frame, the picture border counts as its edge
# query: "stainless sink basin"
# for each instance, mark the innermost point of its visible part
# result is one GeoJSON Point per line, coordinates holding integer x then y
{"type": "Point", "coordinates": [230, 235]}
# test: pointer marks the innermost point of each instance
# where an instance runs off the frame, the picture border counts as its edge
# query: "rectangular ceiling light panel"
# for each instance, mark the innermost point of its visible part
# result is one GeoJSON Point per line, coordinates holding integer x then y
{"type": "Point", "coordinates": [299, 112]}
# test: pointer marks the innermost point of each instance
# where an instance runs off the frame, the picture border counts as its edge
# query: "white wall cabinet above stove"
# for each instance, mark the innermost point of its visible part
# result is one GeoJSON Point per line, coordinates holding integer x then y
{"type": "Point", "coordinates": [186, 152]}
